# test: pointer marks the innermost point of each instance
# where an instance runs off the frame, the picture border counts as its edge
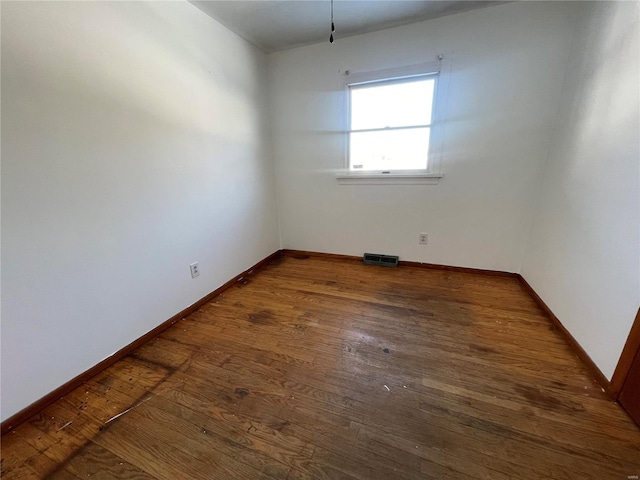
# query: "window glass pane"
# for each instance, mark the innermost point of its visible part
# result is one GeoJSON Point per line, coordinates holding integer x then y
{"type": "Point", "coordinates": [389, 149]}
{"type": "Point", "coordinates": [392, 105]}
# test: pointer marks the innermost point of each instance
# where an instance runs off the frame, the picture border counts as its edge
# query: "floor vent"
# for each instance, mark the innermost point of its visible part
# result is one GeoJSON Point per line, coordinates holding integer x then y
{"type": "Point", "coordinates": [376, 259]}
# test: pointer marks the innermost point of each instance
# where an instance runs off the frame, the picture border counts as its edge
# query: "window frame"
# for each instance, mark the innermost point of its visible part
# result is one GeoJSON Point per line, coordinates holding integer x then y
{"type": "Point", "coordinates": [430, 175]}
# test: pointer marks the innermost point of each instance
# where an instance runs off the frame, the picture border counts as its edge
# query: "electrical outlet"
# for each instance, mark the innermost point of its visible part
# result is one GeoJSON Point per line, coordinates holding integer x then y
{"type": "Point", "coordinates": [195, 270]}
{"type": "Point", "coordinates": [422, 238]}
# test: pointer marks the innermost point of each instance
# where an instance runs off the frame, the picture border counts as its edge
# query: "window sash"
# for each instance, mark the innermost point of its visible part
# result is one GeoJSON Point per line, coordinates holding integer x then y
{"type": "Point", "coordinates": [387, 150]}
{"type": "Point", "coordinates": [428, 127]}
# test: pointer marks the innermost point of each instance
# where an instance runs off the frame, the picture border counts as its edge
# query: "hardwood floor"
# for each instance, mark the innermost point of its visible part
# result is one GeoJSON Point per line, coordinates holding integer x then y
{"type": "Point", "coordinates": [330, 369]}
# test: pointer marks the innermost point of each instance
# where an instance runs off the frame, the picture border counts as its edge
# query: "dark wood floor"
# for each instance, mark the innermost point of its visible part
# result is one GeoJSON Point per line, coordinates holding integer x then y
{"type": "Point", "coordinates": [328, 369]}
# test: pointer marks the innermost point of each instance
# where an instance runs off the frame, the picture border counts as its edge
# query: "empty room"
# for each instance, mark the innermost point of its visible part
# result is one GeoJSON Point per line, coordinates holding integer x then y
{"type": "Point", "coordinates": [372, 239]}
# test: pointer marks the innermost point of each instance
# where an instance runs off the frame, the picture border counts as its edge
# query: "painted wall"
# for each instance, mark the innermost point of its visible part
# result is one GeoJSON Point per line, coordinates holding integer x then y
{"type": "Point", "coordinates": [507, 65]}
{"type": "Point", "coordinates": [133, 144]}
{"type": "Point", "coordinates": [583, 256]}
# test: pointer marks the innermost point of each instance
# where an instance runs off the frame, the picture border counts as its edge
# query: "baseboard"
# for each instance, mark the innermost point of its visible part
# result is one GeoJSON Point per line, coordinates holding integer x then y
{"type": "Point", "coordinates": [404, 263]}
{"type": "Point", "coordinates": [573, 343]}
{"type": "Point", "coordinates": [475, 271]}
{"type": "Point", "coordinates": [306, 254]}
{"type": "Point", "coordinates": [39, 405]}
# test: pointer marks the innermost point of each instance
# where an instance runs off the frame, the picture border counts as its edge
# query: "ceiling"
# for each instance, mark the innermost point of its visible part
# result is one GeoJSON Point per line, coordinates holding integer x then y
{"type": "Point", "coordinates": [273, 25]}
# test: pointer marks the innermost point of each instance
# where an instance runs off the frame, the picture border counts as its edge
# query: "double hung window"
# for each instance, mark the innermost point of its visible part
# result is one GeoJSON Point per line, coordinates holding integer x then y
{"type": "Point", "coordinates": [390, 124]}
{"type": "Point", "coordinates": [392, 127]}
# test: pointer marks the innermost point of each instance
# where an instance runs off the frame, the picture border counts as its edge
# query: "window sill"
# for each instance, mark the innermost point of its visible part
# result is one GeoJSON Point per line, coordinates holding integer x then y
{"type": "Point", "coordinates": [388, 178]}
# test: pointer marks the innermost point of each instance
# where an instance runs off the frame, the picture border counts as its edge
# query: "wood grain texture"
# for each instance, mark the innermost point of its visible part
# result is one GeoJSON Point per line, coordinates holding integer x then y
{"type": "Point", "coordinates": [62, 390]}
{"type": "Point", "coordinates": [321, 368]}
{"type": "Point", "coordinates": [630, 351]}
{"type": "Point", "coordinates": [630, 392]}
{"type": "Point", "coordinates": [573, 343]}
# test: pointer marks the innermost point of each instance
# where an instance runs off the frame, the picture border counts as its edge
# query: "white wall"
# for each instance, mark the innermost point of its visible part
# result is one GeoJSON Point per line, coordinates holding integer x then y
{"type": "Point", "coordinates": [583, 257]}
{"type": "Point", "coordinates": [133, 144]}
{"type": "Point", "coordinates": [507, 65]}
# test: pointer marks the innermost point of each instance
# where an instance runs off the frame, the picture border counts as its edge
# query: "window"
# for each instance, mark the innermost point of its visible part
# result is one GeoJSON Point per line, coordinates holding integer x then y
{"type": "Point", "coordinates": [391, 124]}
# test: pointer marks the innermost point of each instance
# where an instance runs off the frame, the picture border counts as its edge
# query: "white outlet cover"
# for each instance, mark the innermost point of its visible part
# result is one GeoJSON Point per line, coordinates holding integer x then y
{"type": "Point", "coordinates": [195, 271]}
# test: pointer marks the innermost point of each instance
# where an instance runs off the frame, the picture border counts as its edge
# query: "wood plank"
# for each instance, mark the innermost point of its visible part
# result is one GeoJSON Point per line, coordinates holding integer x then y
{"type": "Point", "coordinates": [323, 368]}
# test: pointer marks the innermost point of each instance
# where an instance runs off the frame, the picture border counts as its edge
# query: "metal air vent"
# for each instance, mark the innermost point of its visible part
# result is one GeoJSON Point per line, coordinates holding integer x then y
{"type": "Point", "coordinates": [378, 259]}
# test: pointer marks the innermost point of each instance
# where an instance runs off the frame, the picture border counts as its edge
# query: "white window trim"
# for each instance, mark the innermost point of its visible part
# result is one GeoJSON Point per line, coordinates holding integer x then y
{"type": "Point", "coordinates": [433, 173]}
{"type": "Point", "coordinates": [418, 178]}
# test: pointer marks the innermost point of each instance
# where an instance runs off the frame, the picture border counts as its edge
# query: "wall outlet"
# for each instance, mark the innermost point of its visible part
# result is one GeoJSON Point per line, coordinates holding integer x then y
{"type": "Point", "coordinates": [195, 270]}
{"type": "Point", "coordinates": [422, 238]}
